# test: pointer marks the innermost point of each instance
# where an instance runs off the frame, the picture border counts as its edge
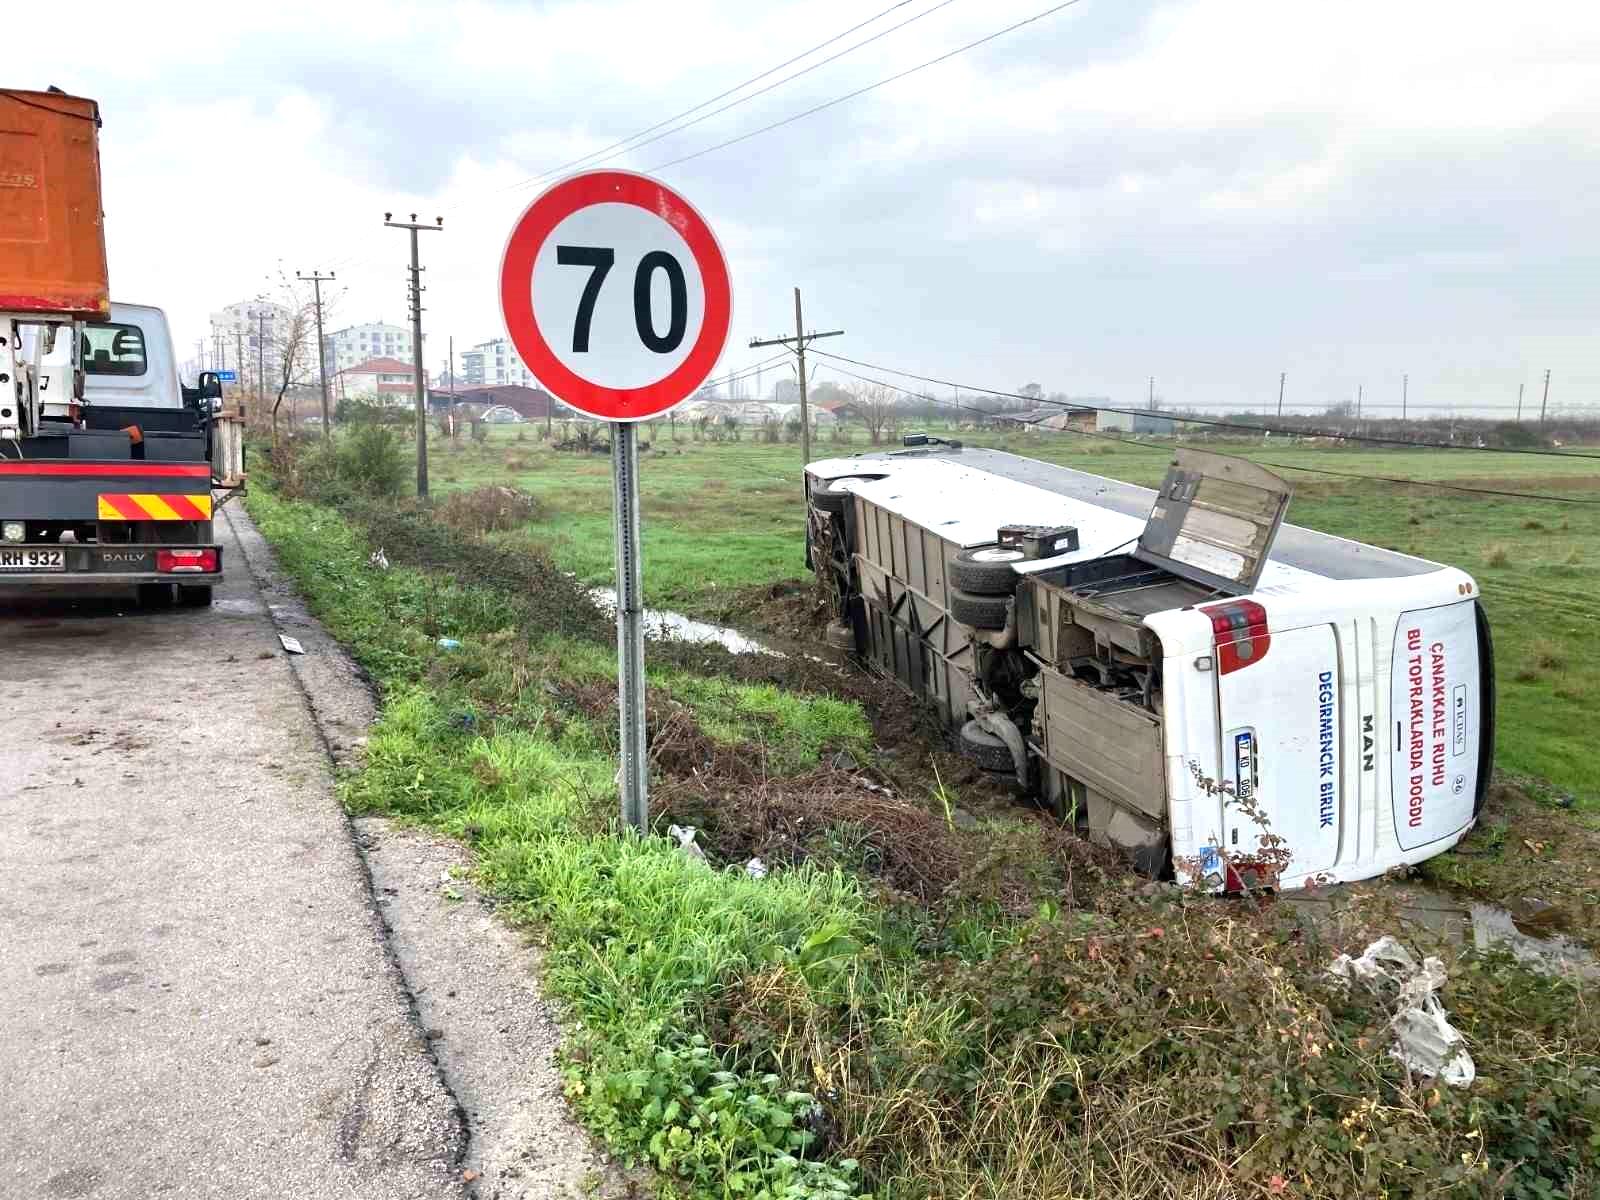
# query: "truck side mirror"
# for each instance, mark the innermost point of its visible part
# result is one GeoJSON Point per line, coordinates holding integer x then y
{"type": "Point", "coordinates": [210, 386]}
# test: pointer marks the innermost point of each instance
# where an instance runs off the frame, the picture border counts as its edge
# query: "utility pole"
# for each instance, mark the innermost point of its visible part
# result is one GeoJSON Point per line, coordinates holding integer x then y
{"type": "Point", "coordinates": [238, 338]}
{"type": "Point", "coordinates": [1520, 386]}
{"type": "Point", "coordinates": [1282, 375]}
{"type": "Point", "coordinates": [199, 358]}
{"type": "Point", "coordinates": [450, 372]}
{"type": "Point", "coordinates": [1545, 403]}
{"type": "Point", "coordinates": [1360, 387]}
{"type": "Point", "coordinates": [798, 344]}
{"type": "Point", "coordinates": [1152, 392]}
{"type": "Point", "coordinates": [1405, 395]}
{"type": "Point", "coordinates": [416, 345]}
{"type": "Point", "coordinates": [316, 281]}
{"type": "Point", "coordinates": [261, 358]}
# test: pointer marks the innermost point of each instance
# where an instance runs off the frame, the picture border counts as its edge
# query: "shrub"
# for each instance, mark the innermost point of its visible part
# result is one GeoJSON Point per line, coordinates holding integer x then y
{"type": "Point", "coordinates": [487, 510]}
{"type": "Point", "coordinates": [1496, 555]}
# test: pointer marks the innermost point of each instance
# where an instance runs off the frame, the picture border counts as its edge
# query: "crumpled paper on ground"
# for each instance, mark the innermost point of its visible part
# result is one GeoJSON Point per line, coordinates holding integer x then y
{"type": "Point", "coordinates": [1425, 1040]}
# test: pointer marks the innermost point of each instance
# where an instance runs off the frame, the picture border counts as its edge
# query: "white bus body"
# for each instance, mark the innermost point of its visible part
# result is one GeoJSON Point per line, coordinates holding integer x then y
{"type": "Point", "coordinates": [1229, 682]}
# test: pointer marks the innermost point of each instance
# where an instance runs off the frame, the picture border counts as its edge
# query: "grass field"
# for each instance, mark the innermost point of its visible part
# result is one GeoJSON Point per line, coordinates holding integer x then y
{"type": "Point", "coordinates": [719, 517]}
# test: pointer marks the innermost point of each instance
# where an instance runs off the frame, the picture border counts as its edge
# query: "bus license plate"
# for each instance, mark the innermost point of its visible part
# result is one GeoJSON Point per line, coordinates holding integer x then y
{"type": "Point", "coordinates": [33, 559]}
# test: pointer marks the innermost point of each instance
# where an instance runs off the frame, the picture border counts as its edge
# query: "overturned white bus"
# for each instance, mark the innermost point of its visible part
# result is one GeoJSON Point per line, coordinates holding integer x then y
{"type": "Point", "coordinates": [1238, 701]}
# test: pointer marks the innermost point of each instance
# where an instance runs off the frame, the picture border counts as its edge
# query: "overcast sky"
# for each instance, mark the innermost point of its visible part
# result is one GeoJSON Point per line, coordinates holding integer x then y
{"type": "Point", "coordinates": [1207, 191]}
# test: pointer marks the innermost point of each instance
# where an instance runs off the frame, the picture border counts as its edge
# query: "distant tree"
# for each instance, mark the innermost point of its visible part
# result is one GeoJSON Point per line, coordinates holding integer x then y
{"type": "Point", "coordinates": [875, 404]}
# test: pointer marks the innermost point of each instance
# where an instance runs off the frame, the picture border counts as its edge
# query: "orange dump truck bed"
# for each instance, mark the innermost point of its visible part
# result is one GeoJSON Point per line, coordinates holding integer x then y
{"type": "Point", "coordinates": [52, 238]}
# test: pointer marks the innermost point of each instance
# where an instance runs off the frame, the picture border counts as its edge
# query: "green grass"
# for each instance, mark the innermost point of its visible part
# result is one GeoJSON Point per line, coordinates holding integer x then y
{"type": "Point", "coordinates": [719, 517]}
{"type": "Point", "coordinates": [813, 1034]}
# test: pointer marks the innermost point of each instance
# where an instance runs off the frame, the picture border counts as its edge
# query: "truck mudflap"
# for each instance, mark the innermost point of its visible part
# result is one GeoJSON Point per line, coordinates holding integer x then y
{"type": "Point", "coordinates": [70, 566]}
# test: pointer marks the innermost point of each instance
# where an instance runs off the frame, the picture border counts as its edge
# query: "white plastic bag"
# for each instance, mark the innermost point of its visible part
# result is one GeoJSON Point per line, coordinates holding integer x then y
{"type": "Point", "coordinates": [1425, 1041]}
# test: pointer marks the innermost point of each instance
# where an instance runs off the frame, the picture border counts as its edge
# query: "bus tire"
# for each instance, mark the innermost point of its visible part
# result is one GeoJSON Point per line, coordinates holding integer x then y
{"type": "Point", "coordinates": [986, 750]}
{"type": "Point", "coordinates": [825, 499]}
{"type": "Point", "coordinates": [979, 612]}
{"type": "Point", "coordinates": [986, 570]}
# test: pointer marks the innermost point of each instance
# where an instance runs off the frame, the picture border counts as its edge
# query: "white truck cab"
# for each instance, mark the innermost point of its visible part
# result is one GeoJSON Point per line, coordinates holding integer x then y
{"type": "Point", "coordinates": [1231, 699]}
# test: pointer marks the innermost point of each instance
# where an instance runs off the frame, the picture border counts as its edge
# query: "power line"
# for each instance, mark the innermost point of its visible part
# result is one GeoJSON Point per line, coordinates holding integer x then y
{"type": "Point", "coordinates": [1176, 416]}
{"type": "Point", "coordinates": [1166, 449]}
{"type": "Point", "coordinates": [617, 149]}
{"type": "Point", "coordinates": [862, 91]}
{"type": "Point", "coordinates": [622, 146]}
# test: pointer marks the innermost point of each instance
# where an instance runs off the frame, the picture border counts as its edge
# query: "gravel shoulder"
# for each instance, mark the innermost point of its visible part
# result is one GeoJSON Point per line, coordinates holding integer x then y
{"type": "Point", "coordinates": [473, 981]}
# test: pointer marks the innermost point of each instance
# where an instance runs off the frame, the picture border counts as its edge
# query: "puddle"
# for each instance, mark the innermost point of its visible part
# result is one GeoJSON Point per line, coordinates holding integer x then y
{"type": "Point", "coordinates": [1531, 931]}
{"type": "Point", "coordinates": [661, 624]}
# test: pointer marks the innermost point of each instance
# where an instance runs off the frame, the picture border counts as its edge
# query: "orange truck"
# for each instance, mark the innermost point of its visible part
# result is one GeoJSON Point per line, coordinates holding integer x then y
{"type": "Point", "coordinates": [108, 463]}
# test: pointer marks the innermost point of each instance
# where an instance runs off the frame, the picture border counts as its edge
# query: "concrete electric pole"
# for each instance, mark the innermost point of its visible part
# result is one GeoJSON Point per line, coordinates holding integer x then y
{"type": "Point", "coordinates": [1282, 376]}
{"type": "Point", "coordinates": [421, 378]}
{"type": "Point", "coordinates": [1545, 403]}
{"type": "Point", "coordinates": [798, 344]}
{"type": "Point", "coordinates": [316, 280]}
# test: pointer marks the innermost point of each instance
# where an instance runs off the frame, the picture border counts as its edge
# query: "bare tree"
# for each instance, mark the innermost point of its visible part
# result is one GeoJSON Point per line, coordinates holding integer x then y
{"type": "Point", "coordinates": [291, 350]}
{"type": "Point", "coordinates": [876, 405]}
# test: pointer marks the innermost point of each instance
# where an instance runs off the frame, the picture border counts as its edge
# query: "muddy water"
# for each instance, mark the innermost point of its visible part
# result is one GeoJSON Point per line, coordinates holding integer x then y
{"type": "Point", "coordinates": [1530, 930]}
{"type": "Point", "coordinates": [662, 624]}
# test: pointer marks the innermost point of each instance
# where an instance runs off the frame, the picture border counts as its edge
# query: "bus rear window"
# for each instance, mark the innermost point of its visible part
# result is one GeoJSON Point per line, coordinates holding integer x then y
{"type": "Point", "coordinates": [113, 350]}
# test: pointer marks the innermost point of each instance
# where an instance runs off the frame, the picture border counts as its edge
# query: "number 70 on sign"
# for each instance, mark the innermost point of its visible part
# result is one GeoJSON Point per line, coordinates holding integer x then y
{"type": "Point", "coordinates": [616, 295]}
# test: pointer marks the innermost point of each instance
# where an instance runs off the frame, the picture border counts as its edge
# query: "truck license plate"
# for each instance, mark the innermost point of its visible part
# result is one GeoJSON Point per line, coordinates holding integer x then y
{"type": "Point", "coordinates": [33, 559]}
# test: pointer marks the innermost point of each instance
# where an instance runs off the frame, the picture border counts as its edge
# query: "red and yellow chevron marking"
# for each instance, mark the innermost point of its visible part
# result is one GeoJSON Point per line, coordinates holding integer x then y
{"type": "Point", "coordinates": [145, 506]}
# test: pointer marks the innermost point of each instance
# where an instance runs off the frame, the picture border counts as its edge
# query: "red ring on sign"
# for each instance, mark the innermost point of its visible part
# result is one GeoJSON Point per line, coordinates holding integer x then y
{"type": "Point", "coordinates": [541, 217]}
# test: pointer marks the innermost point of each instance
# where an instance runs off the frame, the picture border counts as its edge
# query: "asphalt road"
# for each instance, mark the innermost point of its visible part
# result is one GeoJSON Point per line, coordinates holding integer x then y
{"type": "Point", "coordinates": [196, 998]}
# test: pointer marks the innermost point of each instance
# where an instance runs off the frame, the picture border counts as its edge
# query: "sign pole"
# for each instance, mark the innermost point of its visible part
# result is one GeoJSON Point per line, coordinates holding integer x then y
{"type": "Point", "coordinates": [630, 627]}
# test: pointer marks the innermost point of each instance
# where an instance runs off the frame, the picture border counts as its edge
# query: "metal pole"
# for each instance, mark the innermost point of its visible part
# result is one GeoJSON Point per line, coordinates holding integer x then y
{"type": "Point", "coordinates": [805, 412]}
{"type": "Point", "coordinates": [1545, 403]}
{"type": "Point", "coordinates": [630, 627]}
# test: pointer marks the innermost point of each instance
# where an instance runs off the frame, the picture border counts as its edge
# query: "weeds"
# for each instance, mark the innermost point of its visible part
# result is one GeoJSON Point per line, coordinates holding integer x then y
{"type": "Point", "coordinates": [1496, 554]}
{"type": "Point", "coordinates": [902, 1006]}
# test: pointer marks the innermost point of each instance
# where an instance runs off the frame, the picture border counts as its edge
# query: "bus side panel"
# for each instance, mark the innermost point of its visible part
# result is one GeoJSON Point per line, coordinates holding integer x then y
{"type": "Point", "coordinates": [1438, 712]}
{"type": "Point", "coordinates": [1283, 749]}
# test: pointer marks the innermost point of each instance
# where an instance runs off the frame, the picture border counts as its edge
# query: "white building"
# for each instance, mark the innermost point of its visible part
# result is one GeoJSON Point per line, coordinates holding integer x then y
{"type": "Point", "coordinates": [355, 344]}
{"type": "Point", "coordinates": [494, 364]}
{"type": "Point", "coordinates": [238, 329]}
{"type": "Point", "coordinates": [386, 381]}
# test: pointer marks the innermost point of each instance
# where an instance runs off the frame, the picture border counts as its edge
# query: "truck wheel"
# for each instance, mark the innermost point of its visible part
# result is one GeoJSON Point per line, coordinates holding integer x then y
{"type": "Point", "coordinates": [986, 570]}
{"type": "Point", "coordinates": [978, 612]}
{"type": "Point", "coordinates": [155, 595]}
{"type": "Point", "coordinates": [195, 597]}
{"type": "Point", "coordinates": [988, 751]}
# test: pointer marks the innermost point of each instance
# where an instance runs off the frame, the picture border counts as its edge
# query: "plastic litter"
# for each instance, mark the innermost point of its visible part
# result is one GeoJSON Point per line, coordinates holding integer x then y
{"type": "Point", "coordinates": [448, 644]}
{"type": "Point", "coordinates": [756, 869]}
{"type": "Point", "coordinates": [292, 645]}
{"type": "Point", "coordinates": [379, 559]}
{"type": "Point", "coordinates": [684, 836]}
{"type": "Point", "coordinates": [1425, 1041]}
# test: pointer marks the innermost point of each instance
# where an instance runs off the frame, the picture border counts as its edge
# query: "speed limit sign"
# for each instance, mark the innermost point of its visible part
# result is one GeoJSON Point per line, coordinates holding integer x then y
{"type": "Point", "coordinates": [616, 295]}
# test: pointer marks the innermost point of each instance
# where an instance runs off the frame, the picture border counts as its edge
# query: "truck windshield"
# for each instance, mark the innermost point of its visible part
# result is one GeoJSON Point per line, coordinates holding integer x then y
{"type": "Point", "coordinates": [113, 350]}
